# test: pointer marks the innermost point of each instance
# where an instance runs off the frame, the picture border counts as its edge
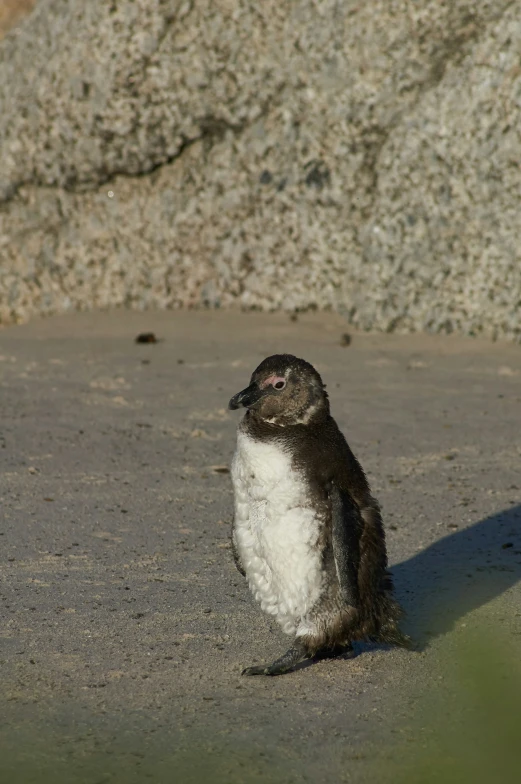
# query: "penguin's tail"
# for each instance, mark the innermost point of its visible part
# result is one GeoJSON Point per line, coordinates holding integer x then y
{"type": "Point", "coordinates": [388, 615]}
{"type": "Point", "coordinates": [380, 612]}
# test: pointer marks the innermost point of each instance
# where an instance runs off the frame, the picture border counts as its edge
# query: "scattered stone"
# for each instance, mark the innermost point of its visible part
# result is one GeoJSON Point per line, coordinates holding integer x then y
{"type": "Point", "coordinates": [146, 337]}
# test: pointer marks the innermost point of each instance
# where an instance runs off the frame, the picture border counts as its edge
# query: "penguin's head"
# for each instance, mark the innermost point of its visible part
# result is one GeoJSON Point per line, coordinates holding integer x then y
{"type": "Point", "coordinates": [284, 390]}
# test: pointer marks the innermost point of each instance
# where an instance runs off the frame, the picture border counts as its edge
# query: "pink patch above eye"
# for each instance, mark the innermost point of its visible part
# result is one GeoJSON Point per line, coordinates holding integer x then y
{"type": "Point", "coordinates": [272, 380]}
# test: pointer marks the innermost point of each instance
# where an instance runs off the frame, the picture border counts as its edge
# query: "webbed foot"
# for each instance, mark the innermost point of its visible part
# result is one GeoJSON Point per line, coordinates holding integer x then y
{"type": "Point", "coordinates": [285, 663]}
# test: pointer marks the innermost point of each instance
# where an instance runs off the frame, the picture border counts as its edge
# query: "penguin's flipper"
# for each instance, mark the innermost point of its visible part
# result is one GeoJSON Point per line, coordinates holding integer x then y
{"type": "Point", "coordinates": [236, 556]}
{"type": "Point", "coordinates": [346, 529]}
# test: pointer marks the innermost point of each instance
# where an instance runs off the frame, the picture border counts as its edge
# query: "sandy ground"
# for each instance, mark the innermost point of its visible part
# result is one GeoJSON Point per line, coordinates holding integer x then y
{"type": "Point", "coordinates": [124, 624]}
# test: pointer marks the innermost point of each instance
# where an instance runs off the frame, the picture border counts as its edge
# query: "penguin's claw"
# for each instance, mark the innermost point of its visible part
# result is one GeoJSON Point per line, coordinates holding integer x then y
{"type": "Point", "coordinates": [261, 669]}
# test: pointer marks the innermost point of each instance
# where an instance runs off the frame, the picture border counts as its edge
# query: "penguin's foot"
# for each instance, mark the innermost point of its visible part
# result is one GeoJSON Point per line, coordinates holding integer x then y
{"type": "Point", "coordinates": [285, 663]}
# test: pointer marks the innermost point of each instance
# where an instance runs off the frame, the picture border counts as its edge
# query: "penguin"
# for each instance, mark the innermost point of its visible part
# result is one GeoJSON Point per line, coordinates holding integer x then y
{"type": "Point", "coordinates": [307, 533]}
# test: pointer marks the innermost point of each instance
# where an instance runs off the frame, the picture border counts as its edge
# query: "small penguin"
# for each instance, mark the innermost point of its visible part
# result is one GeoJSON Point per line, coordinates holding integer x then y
{"type": "Point", "coordinates": [307, 533]}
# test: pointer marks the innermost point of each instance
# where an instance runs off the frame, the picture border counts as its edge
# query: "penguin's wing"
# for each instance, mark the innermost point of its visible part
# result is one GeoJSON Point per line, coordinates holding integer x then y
{"type": "Point", "coordinates": [235, 552]}
{"type": "Point", "coordinates": [346, 526]}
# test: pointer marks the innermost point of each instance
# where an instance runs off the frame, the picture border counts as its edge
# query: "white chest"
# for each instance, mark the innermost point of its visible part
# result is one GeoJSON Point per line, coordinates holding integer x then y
{"type": "Point", "coordinates": [276, 532]}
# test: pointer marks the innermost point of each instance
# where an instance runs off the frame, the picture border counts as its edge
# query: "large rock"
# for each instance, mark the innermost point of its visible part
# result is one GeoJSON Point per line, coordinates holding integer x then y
{"type": "Point", "coordinates": [274, 155]}
{"type": "Point", "coordinates": [443, 238]}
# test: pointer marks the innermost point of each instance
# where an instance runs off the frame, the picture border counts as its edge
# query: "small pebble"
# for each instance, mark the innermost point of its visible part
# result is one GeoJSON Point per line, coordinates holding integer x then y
{"type": "Point", "coordinates": [220, 469]}
{"type": "Point", "coordinates": [146, 337]}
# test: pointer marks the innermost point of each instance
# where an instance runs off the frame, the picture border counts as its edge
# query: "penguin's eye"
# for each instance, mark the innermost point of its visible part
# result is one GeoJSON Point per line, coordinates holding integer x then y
{"type": "Point", "coordinates": [279, 385]}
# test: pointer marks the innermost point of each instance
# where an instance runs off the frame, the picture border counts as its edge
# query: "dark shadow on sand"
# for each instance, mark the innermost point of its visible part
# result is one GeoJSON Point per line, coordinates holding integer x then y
{"type": "Point", "coordinates": [459, 573]}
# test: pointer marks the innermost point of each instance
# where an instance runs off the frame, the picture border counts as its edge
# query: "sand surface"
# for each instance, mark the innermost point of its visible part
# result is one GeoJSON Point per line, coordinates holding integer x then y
{"type": "Point", "coordinates": [124, 624]}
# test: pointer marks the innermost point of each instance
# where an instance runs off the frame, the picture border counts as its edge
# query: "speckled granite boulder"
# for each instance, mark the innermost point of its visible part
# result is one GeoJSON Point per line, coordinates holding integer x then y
{"type": "Point", "coordinates": [443, 237]}
{"type": "Point", "coordinates": [306, 154]}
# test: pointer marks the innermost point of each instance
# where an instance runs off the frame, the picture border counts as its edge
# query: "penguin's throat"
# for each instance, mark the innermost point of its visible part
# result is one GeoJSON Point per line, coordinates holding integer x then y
{"type": "Point", "coordinates": [287, 419]}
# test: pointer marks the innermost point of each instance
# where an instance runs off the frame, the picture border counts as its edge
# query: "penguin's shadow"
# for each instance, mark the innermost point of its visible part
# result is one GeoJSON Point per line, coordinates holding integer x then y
{"type": "Point", "coordinates": [458, 574]}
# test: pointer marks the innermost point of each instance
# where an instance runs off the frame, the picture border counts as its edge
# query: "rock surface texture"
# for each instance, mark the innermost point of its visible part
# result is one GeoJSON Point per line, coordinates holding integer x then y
{"type": "Point", "coordinates": [360, 157]}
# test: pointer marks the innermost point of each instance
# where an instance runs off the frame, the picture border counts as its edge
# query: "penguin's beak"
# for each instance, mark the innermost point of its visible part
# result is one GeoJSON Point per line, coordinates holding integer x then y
{"type": "Point", "coordinates": [247, 398]}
